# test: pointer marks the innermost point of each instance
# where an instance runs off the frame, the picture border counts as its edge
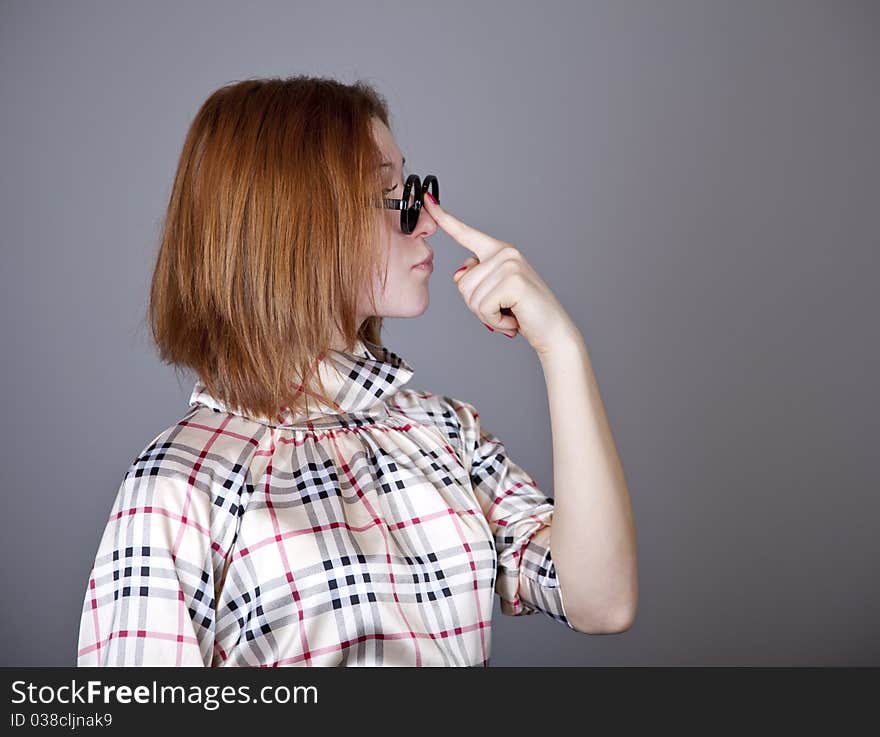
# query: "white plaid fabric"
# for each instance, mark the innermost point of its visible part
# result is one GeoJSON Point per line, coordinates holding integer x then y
{"type": "Point", "coordinates": [373, 532]}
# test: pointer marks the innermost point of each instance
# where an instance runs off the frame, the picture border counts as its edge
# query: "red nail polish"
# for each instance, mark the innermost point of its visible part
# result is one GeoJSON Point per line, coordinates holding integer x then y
{"type": "Point", "coordinates": [509, 336]}
{"type": "Point", "coordinates": [490, 328]}
{"type": "Point", "coordinates": [459, 269]}
{"type": "Point", "coordinates": [428, 195]}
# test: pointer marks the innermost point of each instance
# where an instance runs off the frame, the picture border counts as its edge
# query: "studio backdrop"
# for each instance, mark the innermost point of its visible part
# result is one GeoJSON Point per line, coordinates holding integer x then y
{"type": "Point", "coordinates": [697, 181]}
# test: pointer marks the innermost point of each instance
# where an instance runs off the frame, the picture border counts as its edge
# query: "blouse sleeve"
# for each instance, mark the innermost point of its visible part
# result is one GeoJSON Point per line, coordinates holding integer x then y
{"type": "Point", "coordinates": [516, 509]}
{"type": "Point", "coordinates": [151, 590]}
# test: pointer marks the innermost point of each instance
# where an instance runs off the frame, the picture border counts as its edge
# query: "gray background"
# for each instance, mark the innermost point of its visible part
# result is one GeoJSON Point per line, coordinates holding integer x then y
{"type": "Point", "coordinates": [697, 181]}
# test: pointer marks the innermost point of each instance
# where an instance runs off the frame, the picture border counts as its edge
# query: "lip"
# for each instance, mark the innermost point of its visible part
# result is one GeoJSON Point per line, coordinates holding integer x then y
{"type": "Point", "coordinates": [427, 263]}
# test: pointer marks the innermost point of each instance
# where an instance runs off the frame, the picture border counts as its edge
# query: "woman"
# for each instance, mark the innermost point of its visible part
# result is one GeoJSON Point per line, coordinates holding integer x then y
{"type": "Point", "coordinates": [310, 508]}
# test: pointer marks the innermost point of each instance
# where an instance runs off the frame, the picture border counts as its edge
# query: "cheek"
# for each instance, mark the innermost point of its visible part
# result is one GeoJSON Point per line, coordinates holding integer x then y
{"type": "Point", "coordinates": [400, 275]}
{"type": "Point", "coordinates": [399, 254]}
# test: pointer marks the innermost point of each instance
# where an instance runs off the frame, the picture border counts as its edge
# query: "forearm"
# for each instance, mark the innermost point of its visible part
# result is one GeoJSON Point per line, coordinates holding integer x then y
{"type": "Point", "coordinates": [593, 542]}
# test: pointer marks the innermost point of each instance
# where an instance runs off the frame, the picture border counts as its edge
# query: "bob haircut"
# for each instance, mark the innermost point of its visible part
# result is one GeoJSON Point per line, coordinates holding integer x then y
{"type": "Point", "coordinates": [269, 239]}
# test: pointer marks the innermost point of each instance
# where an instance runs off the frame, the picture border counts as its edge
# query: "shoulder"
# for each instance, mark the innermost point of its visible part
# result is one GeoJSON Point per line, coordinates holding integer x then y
{"type": "Point", "coordinates": [456, 418]}
{"type": "Point", "coordinates": [434, 405]}
{"type": "Point", "coordinates": [204, 457]}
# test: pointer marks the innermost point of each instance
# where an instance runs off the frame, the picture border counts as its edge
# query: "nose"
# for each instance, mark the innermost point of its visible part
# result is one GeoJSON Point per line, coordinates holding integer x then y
{"type": "Point", "coordinates": [426, 225]}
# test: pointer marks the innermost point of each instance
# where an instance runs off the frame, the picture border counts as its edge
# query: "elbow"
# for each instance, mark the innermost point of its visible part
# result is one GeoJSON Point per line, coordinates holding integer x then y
{"type": "Point", "coordinates": [607, 612]}
{"type": "Point", "coordinates": [622, 621]}
{"type": "Point", "coordinates": [604, 624]}
{"type": "Point", "coordinates": [608, 619]}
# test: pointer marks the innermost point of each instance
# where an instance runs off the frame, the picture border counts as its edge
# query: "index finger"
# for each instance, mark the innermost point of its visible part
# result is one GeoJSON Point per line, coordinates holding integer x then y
{"type": "Point", "coordinates": [482, 244]}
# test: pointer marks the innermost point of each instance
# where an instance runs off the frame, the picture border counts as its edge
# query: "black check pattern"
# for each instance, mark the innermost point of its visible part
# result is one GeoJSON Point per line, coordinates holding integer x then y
{"type": "Point", "coordinates": [374, 533]}
{"type": "Point", "coordinates": [358, 382]}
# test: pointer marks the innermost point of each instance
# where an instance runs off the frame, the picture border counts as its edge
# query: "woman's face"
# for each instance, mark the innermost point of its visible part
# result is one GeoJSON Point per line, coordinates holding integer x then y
{"type": "Point", "coordinates": [406, 289]}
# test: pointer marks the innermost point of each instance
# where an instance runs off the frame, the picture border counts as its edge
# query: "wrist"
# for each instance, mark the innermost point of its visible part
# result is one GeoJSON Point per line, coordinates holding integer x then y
{"type": "Point", "coordinates": [561, 343]}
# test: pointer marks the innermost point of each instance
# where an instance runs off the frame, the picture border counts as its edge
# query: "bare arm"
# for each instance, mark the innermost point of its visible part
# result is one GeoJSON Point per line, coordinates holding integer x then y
{"type": "Point", "coordinates": [593, 535]}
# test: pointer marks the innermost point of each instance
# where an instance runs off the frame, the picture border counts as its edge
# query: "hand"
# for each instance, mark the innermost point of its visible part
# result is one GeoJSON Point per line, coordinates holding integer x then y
{"type": "Point", "coordinates": [502, 289]}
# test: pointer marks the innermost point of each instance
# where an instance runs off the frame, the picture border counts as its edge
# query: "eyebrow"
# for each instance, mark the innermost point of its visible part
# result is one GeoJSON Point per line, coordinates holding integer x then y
{"type": "Point", "coordinates": [390, 163]}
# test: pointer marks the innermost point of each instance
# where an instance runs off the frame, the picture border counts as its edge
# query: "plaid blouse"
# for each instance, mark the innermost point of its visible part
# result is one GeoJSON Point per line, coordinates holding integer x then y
{"type": "Point", "coordinates": [373, 532]}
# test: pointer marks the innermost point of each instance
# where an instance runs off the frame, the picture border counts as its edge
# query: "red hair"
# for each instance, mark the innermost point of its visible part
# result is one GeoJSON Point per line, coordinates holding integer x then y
{"type": "Point", "coordinates": [267, 241]}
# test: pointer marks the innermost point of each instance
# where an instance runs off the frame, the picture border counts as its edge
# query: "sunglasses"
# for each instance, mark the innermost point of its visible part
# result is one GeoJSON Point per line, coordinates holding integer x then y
{"type": "Point", "coordinates": [410, 205]}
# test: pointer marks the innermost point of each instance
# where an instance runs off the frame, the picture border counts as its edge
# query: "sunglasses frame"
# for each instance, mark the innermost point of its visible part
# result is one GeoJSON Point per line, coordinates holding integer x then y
{"type": "Point", "coordinates": [409, 217]}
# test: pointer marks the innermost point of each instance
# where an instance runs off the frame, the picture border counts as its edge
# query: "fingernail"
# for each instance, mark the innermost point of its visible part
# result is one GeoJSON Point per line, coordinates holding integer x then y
{"type": "Point", "coordinates": [459, 269]}
{"type": "Point", "coordinates": [490, 328]}
{"type": "Point", "coordinates": [508, 336]}
{"type": "Point", "coordinates": [428, 195]}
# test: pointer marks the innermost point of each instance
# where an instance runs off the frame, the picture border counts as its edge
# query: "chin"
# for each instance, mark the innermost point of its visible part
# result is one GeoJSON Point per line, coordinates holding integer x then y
{"type": "Point", "coordinates": [411, 308]}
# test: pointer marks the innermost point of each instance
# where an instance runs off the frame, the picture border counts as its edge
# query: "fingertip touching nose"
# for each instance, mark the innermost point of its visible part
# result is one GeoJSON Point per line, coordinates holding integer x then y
{"type": "Point", "coordinates": [426, 225]}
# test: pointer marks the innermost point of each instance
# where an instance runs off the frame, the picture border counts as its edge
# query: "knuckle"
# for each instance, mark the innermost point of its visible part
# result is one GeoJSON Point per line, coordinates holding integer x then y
{"type": "Point", "coordinates": [509, 267]}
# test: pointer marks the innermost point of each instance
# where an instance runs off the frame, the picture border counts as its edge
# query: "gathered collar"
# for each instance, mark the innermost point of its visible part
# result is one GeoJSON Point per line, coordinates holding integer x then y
{"type": "Point", "coordinates": [359, 381]}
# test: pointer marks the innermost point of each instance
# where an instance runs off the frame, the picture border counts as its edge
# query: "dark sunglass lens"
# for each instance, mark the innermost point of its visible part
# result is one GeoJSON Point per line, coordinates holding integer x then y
{"type": "Point", "coordinates": [433, 186]}
{"type": "Point", "coordinates": [411, 191]}
{"type": "Point", "coordinates": [412, 219]}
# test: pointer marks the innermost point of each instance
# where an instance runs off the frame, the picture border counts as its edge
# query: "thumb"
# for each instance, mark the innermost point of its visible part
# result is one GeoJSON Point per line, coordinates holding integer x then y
{"type": "Point", "coordinates": [462, 270]}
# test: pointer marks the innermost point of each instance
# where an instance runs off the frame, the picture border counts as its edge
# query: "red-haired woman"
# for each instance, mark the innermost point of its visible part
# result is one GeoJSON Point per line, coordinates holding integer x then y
{"type": "Point", "coordinates": [311, 508]}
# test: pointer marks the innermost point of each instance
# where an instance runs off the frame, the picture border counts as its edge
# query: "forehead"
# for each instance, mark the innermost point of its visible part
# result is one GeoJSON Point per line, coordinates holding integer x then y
{"type": "Point", "coordinates": [385, 140]}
